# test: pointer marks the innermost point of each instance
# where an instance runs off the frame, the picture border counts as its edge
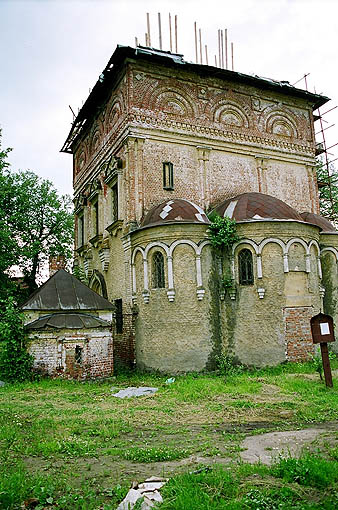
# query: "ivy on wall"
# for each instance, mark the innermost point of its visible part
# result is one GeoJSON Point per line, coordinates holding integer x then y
{"type": "Point", "coordinates": [223, 232]}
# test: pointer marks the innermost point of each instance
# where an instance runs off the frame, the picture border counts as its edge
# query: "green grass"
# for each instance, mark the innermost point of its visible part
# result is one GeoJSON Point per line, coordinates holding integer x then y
{"type": "Point", "coordinates": [256, 487]}
{"type": "Point", "coordinates": [74, 442]}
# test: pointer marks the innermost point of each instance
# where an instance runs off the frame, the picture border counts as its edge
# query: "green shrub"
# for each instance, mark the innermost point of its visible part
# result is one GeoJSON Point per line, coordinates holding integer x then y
{"type": "Point", "coordinates": [15, 362]}
{"type": "Point", "coordinates": [223, 232]}
{"type": "Point", "coordinates": [226, 365]}
{"type": "Point", "coordinates": [309, 470]}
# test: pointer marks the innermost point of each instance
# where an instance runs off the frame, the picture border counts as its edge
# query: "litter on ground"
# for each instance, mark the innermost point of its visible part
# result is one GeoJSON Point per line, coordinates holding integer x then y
{"type": "Point", "coordinates": [148, 490]}
{"type": "Point", "coordinates": [134, 392]}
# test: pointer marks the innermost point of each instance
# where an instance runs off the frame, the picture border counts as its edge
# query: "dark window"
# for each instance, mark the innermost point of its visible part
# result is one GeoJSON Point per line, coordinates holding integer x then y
{"type": "Point", "coordinates": [78, 354]}
{"type": "Point", "coordinates": [245, 267]}
{"type": "Point", "coordinates": [118, 316]}
{"type": "Point", "coordinates": [168, 175]}
{"type": "Point", "coordinates": [115, 203]}
{"type": "Point", "coordinates": [95, 218]}
{"type": "Point", "coordinates": [158, 270]}
{"type": "Point", "coordinates": [80, 225]}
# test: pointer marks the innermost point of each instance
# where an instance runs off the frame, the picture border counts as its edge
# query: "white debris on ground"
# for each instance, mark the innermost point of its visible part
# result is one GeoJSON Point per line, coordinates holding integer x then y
{"type": "Point", "coordinates": [170, 380]}
{"type": "Point", "coordinates": [134, 392]}
{"type": "Point", "coordinates": [148, 491]}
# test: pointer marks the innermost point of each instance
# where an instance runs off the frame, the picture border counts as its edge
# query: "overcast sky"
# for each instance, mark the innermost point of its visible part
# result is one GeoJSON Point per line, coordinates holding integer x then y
{"type": "Point", "coordinates": [53, 51]}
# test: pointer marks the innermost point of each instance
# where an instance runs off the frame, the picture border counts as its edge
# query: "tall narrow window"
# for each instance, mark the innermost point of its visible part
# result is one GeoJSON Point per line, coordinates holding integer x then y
{"type": "Point", "coordinates": [114, 203]}
{"type": "Point", "coordinates": [78, 354]}
{"type": "Point", "coordinates": [80, 230]}
{"type": "Point", "coordinates": [118, 316]}
{"type": "Point", "coordinates": [95, 217]}
{"type": "Point", "coordinates": [158, 270]}
{"type": "Point", "coordinates": [245, 267]}
{"type": "Point", "coordinates": [168, 175]}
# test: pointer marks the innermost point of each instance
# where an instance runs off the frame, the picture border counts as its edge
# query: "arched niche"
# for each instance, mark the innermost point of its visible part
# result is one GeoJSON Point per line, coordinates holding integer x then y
{"type": "Point", "coordinates": [97, 284]}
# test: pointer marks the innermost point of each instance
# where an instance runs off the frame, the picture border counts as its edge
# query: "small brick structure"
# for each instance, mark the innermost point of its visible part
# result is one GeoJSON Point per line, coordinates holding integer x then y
{"type": "Point", "coordinates": [124, 343]}
{"type": "Point", "coordinates": [56, 262]}
{"type": "Point", "coordinates": [70, 329]}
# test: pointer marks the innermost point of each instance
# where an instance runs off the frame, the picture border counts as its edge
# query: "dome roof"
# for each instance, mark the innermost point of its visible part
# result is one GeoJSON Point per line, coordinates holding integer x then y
{"type": "Point", "coordinates": [176, 210]}
{"type": "Point", "coordinates": [320, 221]}
{"type": "Point", "coordinates": [256, 206]}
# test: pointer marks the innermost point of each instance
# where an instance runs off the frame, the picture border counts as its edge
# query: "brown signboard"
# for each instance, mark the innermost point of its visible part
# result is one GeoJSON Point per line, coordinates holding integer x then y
{"type": "Point", "coordinates": [322, 328]}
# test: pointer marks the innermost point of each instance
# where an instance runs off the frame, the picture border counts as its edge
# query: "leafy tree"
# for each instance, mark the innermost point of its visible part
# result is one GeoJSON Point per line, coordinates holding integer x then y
{"type": "Point", "coordinates": [15, 362]}
{"type": "Point", "coordinates": [328, 190]}
{"type": "Point", "coordinates": [35, 222]}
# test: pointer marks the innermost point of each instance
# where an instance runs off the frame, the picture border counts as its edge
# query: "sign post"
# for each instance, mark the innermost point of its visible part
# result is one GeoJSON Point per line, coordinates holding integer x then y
{"type": "Point", "coordinates": [322, 333]}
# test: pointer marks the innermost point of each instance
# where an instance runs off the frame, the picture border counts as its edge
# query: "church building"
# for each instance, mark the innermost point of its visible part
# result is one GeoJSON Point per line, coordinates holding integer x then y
{"type": "Point", "coordinates": [159, 144]}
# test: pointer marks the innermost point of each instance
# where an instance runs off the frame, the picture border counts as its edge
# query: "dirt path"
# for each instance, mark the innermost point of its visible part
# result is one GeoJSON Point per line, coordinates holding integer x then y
{"type": "Point", "coordinates": [266, 447]}
{"type": "Point", "coordinates": [254, 448]}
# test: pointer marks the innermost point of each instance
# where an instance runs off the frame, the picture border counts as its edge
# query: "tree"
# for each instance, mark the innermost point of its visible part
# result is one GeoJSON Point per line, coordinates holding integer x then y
{"type": "Point", "coordinates": [35, 222]}
{"type": "Point", "coordinates": [328, 190]}
{"type": "Point", "coordinates": [16, 363]}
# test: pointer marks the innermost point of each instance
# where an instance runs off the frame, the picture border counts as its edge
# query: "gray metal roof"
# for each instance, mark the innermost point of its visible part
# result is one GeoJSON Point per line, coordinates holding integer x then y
{"type": "Point", "coordinates": [65, 292]}
{"type": "Point", "coordinates": [68, 321]}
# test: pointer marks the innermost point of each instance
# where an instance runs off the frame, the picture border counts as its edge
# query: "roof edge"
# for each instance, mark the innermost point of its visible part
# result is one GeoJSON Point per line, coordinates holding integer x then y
{"type": "Point", "coordinates": [122, 53]}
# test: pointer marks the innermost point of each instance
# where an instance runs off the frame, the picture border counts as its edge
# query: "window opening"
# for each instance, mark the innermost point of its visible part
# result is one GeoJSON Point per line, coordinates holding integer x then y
{"type": "Point", "coordinates": [245, 267]}
{"type": "Point", "coordinates": [158, 270]}
{"type": "Point", "coordinates": [78, 354]}
{"type": "Point", "coordinates": [115, 203]}
{"type": "Point", "coordinates": [96, 218]}
{"type": "Point", "coordinates": [168, 175]}
{"type": "Point", "coordinates": [118, 316]}
{"type": "Point", "coordinates": [80, 223]}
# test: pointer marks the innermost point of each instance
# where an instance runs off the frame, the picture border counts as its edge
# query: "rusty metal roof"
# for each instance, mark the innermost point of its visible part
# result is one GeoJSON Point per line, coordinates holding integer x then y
{"type": "Point", "coordinates": [103, 87]}
{"type": "Point", "coordinates": [68, 321]}
{"type": "Point", "coordinates": [256, 206]}
{"type": "Point", "coordinates": [320, 221]}
{"type": "Point", "coordinates": [65, 292]}
{"type": "Point", "coordinates": [176, 210]}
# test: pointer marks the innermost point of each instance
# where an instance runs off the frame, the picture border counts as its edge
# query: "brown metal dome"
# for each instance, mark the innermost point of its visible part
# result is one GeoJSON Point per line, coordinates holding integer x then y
{"type": "Point", "coordinates": [176, 210]}
{"type": "Point", "coordinates": [256, 206]}
{"type": "Point", "coordinates": [320, 221]}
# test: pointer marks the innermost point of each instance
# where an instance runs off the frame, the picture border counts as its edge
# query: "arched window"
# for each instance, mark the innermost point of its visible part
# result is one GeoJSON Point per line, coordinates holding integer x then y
{"type": "Point", "coordinates": [245, 267]}
{"type": "Point", "coordinates": [158, 270]}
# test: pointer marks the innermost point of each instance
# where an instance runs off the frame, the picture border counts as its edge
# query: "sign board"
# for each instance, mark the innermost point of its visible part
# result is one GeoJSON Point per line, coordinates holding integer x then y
{"type": "Point", "coordinates": [322, 328]}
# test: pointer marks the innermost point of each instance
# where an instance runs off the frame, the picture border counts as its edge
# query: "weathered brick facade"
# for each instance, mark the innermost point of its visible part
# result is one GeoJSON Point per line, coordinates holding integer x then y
{"type": "Point", "coordinates": [221, 134]}
{"type": "Point", "coordinates": [55, 353]}
{"type": "Point", "coordinates": [70, 329]}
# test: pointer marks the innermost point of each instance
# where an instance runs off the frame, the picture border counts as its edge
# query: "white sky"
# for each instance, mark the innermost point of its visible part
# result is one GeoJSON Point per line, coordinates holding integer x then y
{"type": "Point", "coordinates": [53, 51]}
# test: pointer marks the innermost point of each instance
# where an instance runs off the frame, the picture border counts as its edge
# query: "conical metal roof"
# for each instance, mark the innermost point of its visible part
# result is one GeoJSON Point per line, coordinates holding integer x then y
{"type": "Point", "coordinates": [65, 292]}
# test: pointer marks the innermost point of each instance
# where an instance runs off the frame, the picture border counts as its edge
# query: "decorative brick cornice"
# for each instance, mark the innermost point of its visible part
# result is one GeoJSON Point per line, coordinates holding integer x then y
{"type": "Point", "coordinates": [233, 136]}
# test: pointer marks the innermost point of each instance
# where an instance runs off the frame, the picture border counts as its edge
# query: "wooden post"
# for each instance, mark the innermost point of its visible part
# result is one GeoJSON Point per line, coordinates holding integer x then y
{"type": "Point", "coordinates": [326, 364]}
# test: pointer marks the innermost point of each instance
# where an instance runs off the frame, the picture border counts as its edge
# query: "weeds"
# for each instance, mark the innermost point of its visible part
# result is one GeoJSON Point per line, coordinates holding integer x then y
{"type": "Point", "coordinates": [310, 470]}
{"type": "Point", "coordinates": [153, 454]}
{"type": "Point", "coordinates": [72, 441]}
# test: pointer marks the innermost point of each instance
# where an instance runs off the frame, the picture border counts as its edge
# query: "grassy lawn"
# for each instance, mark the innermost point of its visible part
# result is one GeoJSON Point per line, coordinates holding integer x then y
{"type": "Point", "coordinates": [73, 445]}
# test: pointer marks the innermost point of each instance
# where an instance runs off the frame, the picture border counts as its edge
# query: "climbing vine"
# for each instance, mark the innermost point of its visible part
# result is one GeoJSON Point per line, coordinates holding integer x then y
{"type": "Point", "coordinates": [223, 232]}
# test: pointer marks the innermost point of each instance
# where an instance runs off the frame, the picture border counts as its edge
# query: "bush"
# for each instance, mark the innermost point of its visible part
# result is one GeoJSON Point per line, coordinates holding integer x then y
{"type": "Point", "coordinates": [309, 470]}
{"type": "Point", "coordinates": [15, 362]}
{"type": "Point", "coordinates": [222, 232]}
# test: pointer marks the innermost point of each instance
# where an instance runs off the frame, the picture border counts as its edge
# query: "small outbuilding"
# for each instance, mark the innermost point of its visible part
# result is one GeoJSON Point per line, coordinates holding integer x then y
{"type": "Point", "coordinates": [70, 329]}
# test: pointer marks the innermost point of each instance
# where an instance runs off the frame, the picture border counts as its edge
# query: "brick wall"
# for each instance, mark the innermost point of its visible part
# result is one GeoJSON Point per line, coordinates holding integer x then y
{"type": "Point", "coordinates": [124, 343]}
{"type": "Point", "coordinates": [55, 353]}
{"type": "Point", "coordinates": [298, 338]}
